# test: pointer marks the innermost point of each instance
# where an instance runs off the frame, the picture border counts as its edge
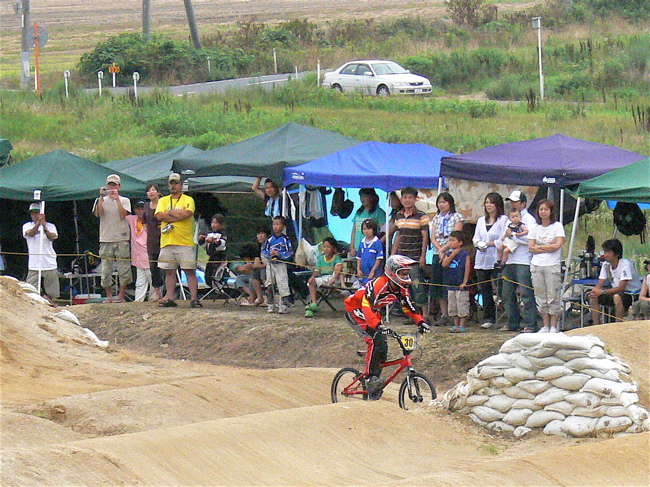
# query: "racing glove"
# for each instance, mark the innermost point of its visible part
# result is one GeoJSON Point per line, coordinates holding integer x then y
{"type": "Point", "coordinates": [424, 327]}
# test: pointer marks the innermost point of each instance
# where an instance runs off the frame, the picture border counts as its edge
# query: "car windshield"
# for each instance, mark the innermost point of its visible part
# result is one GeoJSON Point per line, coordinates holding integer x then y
{"type": "Point", "coordinates": [388, 68]}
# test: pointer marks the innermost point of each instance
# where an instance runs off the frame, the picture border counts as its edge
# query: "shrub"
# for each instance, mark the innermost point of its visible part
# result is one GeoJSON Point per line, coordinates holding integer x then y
{"type": "Point", "coordinates": [510, 87]}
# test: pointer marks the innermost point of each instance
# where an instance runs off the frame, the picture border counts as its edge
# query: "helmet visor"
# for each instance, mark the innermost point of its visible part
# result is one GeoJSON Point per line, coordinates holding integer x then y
{"type": "Point", "coordinates": [403, 274]}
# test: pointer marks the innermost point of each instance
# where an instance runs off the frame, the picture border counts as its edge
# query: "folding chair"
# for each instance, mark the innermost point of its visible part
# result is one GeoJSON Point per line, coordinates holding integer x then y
{"type": "Point", "coordinates": [223, 285]}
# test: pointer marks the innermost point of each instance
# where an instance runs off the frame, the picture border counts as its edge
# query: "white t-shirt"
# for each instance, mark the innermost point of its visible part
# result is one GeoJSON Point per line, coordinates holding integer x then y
{"type": "Point", "coordinates": [545, 236]}
{"type": "Point", "coordinates": [625, 271]}
{"type": "Point", "coordinates": [521, 254]}
{"type": "Point", "coordinates": [112, 227]}
{"type": "Point", "coordinates": [34, 248]}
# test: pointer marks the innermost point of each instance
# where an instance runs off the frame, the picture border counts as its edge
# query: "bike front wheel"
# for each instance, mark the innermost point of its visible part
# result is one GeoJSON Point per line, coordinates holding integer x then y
{"type": "Point", "coordinates": [347, 386]}
{"type": "Point", "coordinates": [416, 392]}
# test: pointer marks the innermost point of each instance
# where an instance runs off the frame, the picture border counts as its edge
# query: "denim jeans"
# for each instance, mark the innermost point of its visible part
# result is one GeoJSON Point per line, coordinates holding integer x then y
{"type": "Point", "coordinates": [520, 274]}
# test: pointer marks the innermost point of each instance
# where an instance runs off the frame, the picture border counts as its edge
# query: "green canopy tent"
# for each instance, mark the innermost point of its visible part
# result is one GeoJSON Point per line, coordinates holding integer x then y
{"type": "Point", "coordinates": [155, 168]}
{"type": "Point", "coordinates": [629, 183]}
{"type": "Point", "coordinates": [5, 151]}
{"type": "Point", "coordinates": [266, 154]}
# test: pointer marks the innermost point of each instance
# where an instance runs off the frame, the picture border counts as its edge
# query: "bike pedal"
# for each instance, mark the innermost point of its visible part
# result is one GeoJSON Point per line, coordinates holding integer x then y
{"type": "Point", "coordinates": [361, 353]}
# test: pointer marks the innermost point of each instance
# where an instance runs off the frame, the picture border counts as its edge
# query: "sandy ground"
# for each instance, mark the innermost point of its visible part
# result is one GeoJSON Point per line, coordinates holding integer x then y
{"type": "Point", "coordinates": [77, 414]}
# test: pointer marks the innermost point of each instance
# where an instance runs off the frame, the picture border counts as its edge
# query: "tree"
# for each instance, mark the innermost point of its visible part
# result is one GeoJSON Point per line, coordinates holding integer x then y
{"type": "Point", "coordinates": [464, 11]}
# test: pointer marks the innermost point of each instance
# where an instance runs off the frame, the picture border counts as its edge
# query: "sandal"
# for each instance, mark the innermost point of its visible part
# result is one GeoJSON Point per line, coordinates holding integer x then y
{"type": "Point", "coordinates": [195, 303]}
{"type": "Point", "coordinates": [457, 329]}
{"type": "Point", "coordinates": [168, 303]}
{"type": "Point", "coordinates": [117, 300]}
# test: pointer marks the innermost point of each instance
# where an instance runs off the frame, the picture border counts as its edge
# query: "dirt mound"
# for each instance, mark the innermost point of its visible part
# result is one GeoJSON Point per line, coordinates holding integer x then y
{"type": "Point", "coordinates": [118, 416]}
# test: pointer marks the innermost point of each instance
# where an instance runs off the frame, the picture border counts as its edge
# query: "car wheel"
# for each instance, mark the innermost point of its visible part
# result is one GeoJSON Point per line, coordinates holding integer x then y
{"type": "Point", "coordinates": [382, 90]}
{"type": "Point", "coordinates": [337, 87]}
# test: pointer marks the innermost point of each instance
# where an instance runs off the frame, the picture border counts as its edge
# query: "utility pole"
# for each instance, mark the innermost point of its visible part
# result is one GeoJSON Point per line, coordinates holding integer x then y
{"type": "Point", "coordinates": [24, 54]}
{"type": "Point", "coordinates": [146, 20]}
{"type": "Point", "coordinates": [191, 20]}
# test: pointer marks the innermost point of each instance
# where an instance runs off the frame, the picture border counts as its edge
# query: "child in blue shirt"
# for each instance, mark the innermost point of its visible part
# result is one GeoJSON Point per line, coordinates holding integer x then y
{"type": "Point", "coordinates": [277, 250]}
{"type": "Point", "coordinates": [456, 267]}
{"type": "Point", "coordinates": [370, 253]}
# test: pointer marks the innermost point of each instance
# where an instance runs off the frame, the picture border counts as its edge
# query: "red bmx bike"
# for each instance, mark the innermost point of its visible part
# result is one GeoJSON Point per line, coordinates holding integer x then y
{"type": "Point", "coordinates": [415, 392]}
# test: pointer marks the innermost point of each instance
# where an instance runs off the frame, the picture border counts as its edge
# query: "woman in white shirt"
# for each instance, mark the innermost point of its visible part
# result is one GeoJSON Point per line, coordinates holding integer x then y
{"type": "Point", "coordinates": [545, 242]}
{"type": "Point", "coordinates": [489, 229]}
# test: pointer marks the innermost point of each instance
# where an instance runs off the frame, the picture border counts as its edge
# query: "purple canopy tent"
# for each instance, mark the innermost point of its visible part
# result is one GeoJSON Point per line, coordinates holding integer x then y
{"type": "Point", "coordinates": [556, 160]}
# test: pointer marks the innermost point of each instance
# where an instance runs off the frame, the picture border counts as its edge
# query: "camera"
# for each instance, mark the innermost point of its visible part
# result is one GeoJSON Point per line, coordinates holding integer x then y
{"type": "Point", "coordinates": [167, 228]}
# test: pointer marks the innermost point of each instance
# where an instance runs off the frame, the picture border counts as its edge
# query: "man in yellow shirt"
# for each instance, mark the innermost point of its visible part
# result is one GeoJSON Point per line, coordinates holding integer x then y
{"type": "Point", "coordinates": [176, 212]}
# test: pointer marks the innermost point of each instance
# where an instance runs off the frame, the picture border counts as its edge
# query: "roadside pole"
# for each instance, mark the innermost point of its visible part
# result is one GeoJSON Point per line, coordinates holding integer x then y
{"type": "Point", "coordinates": [66, 77]}
{"type": "Point", "coordinates": [38, 68]}
{"type": "Point", "coordinates": [24, 52]}
{"type": "Point", "coordinates": [100, 76]}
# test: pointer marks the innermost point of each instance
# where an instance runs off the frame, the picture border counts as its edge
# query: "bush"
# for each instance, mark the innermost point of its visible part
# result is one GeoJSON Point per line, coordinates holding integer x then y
{"type": "Point", "coordinates": [510, 87]}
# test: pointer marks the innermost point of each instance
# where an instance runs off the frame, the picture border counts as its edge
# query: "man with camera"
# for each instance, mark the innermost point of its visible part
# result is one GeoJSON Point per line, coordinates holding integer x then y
{"type": "Point", "coordinates": [176, 212]}
{"type": "Point", "coordinates": [114, 237]}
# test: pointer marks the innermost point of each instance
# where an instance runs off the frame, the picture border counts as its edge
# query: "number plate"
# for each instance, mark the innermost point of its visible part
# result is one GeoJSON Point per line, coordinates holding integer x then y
{"type": "Point", "coordinates": [409, 342]}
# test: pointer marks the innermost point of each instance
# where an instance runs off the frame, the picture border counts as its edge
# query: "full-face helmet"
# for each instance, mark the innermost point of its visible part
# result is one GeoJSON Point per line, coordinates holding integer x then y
{"type": "Point", "coordinates": [398, 269]}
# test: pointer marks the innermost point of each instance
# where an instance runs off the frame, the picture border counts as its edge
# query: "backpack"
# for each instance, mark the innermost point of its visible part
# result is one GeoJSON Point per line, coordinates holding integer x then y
{"type": "Point", "coordinates": [629, 219]}
{"type": "Point", "coordinates": [337, 201]}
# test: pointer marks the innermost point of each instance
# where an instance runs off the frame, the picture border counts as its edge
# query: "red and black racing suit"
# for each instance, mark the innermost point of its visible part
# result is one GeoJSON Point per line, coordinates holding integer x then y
{"type": "Point", "coordinates": [365, 306]}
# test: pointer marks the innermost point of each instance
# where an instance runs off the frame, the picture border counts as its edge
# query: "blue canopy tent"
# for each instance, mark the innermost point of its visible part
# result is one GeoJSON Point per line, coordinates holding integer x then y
{"type": "Point", "coordinates": [372, 164]}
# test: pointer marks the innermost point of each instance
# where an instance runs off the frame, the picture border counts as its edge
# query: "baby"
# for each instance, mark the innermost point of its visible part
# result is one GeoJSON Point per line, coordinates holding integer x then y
{"type": "Point", "coordinates": [516, 228]}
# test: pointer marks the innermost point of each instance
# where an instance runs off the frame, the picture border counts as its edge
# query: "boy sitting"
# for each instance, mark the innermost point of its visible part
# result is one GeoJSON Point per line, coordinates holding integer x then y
{"type": "Point", "coordinates": [455, 274]}
{"type": "Point", "coordinates": [328, 269]}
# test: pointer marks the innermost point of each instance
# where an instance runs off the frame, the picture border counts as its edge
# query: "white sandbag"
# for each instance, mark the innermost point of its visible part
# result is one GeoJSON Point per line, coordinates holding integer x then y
{"type": "Point", "coordinates": [553, 372]}
{"type": "Point", "coordinates": [489, 391]}
{"type": "Point", "coordinates": [476, 419]}
{"type": "Point", "coordinates": [462, 389]}
{"type": "Point", "coordinates": [566, 342]}
{"type": "Point", "coordinates": [100, 343]}
{"type": "Point", "coordinates": [555, 428]}
{"type": "Point", "coordinates": [67, 315]}
{"type": "Point", "coordinates": [517, 417]}
{"type": "Point", "coordinates": [636, 412]}
{"type": "Point", "coordinates": [534, 386]}
{"type": "Point", "coordinates": [568, 355]}
{"type": "Point", "coordinates": [628, 398]}
{"type": "Point", "coordinates": [584, 399]}
{"type": "Point", "coordinates": [500, 382]}
{"type": "Point", "coordinates": [607, 388]}
{"type": "Point", "coordinates": [596, 352]}
{"type": "Point", "coordinates": [488, 372]}
{"type": "Point", "coordinates": [562, 407]}
{"type": "Point", "coordinates": [473, 373]}
{"type": "Point", "coordinates": [476, 400]}
{"type": "Point", "coordinates": [607, 424]}
{"type": "Point", "coordinates": [37, 297]}
{"type": "Point", "coordinates": [623, 366]}
{"type": "Point", "coordinates": [499, 361]}
{"type": "Point", "coordinates": [609, 375]}
{"type": "Point", "coordinates": [573, 382]}
{"type": "Point", "coordinates": [600, 364]}
{"type": "Point", "coordinates": [501, 403]}
{"type": "Point", "coordinates": [543, 362]}
{"type": "Point", "coordinates": [487, 414]}
{"type": "Point", "coordinates": [539, 419]}
{"type": "Point", "coordinates": [542, 352]}
{"type": "Point", "coordinates": [595, 412]}
{"type": "Point", "coordinates": [526, 404]}
{"type": "Point", "coordinates": [500, 427]}
{"type": "Point", "coordinates": [617, 411]}
{"type": "Point", "coordinates": [517, 393]}
{"type": "Point", "coordinates": [515, 374]}
{"type": "Point", "coordinates": [28, 288]}
{"type": "Point", "coordinates": [549, 396]}
{"type": "Point", "coordinates": [579, 426]}
{"type": "Point", "coordinates": [522, 361]}
{"type": "Point", "coordinates": [521, 431]}
{"type": "Point", "coordinates": [474, 384]}
{"type": "Point", "coordinates": [524, 341]}
{"type": "Point", "coordinates": [637, 428]}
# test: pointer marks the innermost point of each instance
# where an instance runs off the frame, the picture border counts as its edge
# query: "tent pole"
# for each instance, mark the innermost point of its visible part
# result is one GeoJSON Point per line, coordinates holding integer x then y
{"type": "Point", "coordinates": [76, 227]}
{"type": "Point", "coordinates": [387, 252]}
{"type": "Point", "coordinates": [301, 211]}
{"type": "Point", "coordinates": [439, 186]}
{"type": "Point", "coordinates": [562, 206]}
{"type": "Point", "coordinates": [567, 274]}
{"type": "Point", "coordinates": [41, 243]}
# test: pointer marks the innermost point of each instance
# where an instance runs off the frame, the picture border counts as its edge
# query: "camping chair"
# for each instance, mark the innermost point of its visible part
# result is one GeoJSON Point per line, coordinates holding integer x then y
{"type": "Point", "coordinates": [223, 284]}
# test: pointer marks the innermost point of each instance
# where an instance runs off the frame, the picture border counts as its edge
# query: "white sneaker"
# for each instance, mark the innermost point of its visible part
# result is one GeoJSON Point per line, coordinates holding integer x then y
{"type": "Point", "coordinates": [270, 309]}
{"type": "Point", "coordinates": [554, 330]}
{"type": "Point", "coordinates": [282, 309]}
{"type": "Point", "coordinates": [543, 329]}
{"type": "Point", "coordinates": [487, 324]}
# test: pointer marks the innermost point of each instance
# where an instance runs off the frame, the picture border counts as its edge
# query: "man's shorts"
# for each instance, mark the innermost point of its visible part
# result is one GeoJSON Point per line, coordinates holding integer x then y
{"type": "Point", "coordinates": [608, 300]}
{"type": "Point", "coordinates": [458, 303]}
{"type": "Point", "coordinates": [174, 256]}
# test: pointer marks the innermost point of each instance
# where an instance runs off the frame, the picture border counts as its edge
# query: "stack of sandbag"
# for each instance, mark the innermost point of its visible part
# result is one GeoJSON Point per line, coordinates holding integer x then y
{"type": "Point", "coordinates": [569, 386]}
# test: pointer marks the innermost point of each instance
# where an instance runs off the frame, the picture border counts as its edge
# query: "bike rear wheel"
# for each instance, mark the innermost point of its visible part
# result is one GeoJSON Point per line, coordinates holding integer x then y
{"type": "Point", "coordinates": [346, 387]}
{"type": "Point", "coordinates": [416, 392]}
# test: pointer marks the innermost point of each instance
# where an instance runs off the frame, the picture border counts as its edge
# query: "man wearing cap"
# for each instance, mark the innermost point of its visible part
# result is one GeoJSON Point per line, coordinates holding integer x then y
{"type": "Point", "coordinates": [44, 260]}
{"type": "Point", "coordinates": [176, 212]}
{"type": "Point", "coordinates": [114, 237]}
{"type": "Point", "coordinates": [517, 271]}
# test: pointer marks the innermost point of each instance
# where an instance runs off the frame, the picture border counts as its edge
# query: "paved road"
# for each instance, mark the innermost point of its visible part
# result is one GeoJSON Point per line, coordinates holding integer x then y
{"type": "Point", "coordinates": [268, 82]}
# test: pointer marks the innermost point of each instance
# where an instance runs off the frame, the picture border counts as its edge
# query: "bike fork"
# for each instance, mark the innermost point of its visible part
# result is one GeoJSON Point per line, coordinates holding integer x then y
{"type": "Point", "coordinates": [413, 387]}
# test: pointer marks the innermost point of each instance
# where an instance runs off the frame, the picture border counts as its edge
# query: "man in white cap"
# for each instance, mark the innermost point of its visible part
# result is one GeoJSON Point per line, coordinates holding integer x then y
{"type": "Point", "coordinates": [44, 260]}
{"type": "Point", "coordinates": [114, 237]}
{"type": "Point", "coordinates": [517, 271]}
{"type": "Point", "coordinates": [176, 212]}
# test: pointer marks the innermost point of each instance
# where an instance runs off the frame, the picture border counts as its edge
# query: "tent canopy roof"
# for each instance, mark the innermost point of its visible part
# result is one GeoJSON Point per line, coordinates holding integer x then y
{"type": "Point", "coordinates": [630, 183]}
{"type": "Point", "coordinates": [556, 160]}
{"type": "Point", "coordinates": [266, 154]}
{"type": "Point", "coordinates": [60, 176]}
{"type": "Point", "coordinates": [372, 164]}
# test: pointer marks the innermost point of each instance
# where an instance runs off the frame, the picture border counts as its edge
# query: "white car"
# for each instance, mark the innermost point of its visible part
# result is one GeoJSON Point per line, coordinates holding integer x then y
{"type": "Point", "coordinates": [376, 78]}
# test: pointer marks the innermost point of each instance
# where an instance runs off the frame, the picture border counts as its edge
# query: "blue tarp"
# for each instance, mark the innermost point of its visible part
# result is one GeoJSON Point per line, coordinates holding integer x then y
{"type": "Point", "coordinates": [372, 164]}
{"type": "Point", "coordinates": [556, 160]}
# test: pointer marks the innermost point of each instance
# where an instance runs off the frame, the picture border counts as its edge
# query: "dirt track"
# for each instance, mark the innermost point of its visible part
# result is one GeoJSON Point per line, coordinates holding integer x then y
{"type": "Point", "coordinates": [74, 414]}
